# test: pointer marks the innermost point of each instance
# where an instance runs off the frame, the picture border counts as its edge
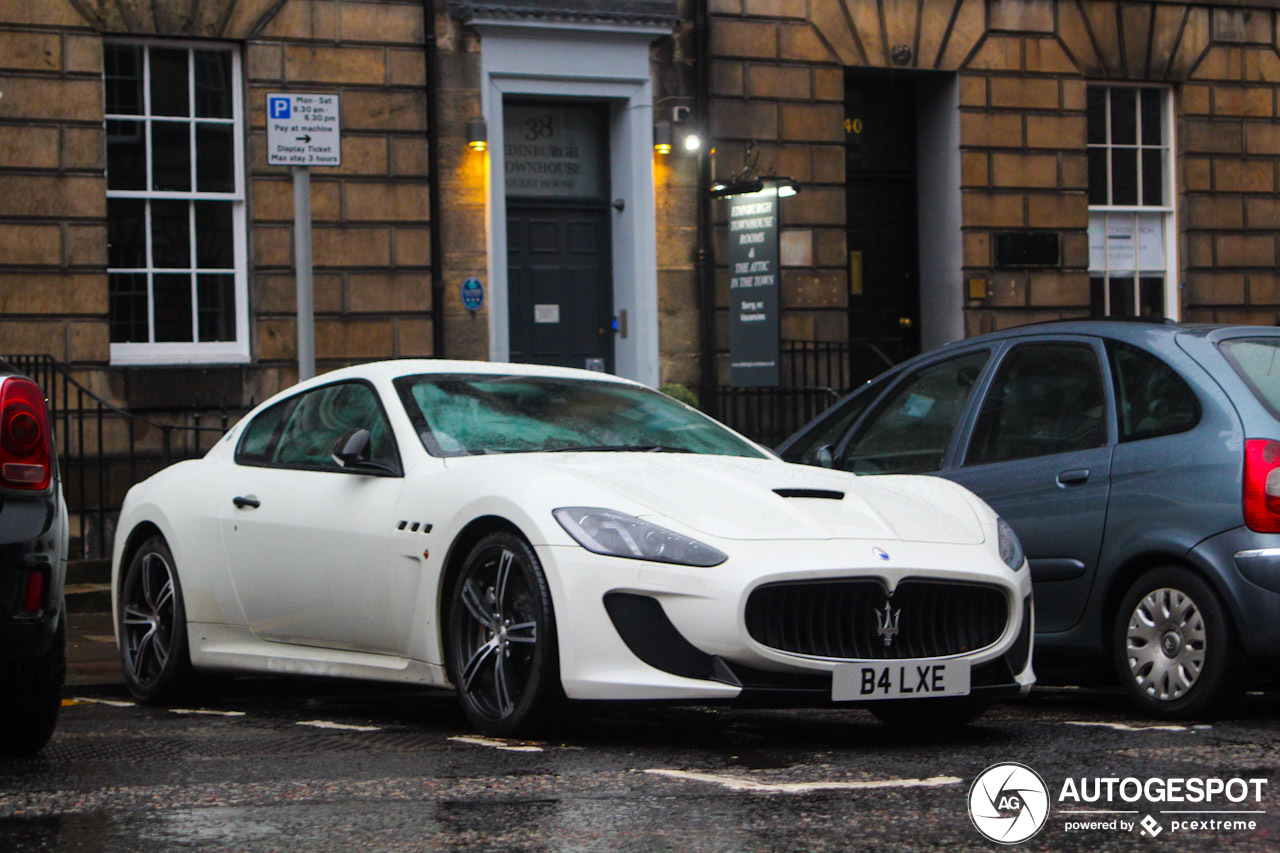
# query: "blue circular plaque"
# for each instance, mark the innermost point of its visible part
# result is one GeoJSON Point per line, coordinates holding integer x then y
{"type": "Point", "coordinates": [472, 294]}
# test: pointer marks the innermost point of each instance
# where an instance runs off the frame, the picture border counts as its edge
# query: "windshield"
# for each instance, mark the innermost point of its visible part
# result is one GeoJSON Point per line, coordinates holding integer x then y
{"type": "Point", "coordinates": [472, 414]}
{"type": "Point", "coordinates": [1257, 360]}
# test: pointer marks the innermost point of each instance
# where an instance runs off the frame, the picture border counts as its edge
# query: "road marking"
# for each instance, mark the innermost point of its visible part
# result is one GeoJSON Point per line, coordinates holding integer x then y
{"type": "Point", "coordinates": [324, 724]}
{"type": "Point", "coordinates": [1124, 727]}
{"type": "Point", "coordinates": [496, 743]}
{"type": "Point", "coordinates": [206, 713]}
{"type": "Point", "coordinates": [114, 703]}
{"type": "Point", "coordinates": [749, 786]}
{"type": "Point", "coordinates": [101, 638]}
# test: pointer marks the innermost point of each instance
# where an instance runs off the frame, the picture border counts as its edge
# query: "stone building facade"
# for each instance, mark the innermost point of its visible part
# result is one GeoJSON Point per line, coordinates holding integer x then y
{"type": "Point", "coordinates": [963, 165]}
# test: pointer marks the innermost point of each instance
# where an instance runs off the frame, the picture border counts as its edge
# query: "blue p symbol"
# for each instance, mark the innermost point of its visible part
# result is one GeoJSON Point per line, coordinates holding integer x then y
{"type": "Point", "coordinates": [279, 107]}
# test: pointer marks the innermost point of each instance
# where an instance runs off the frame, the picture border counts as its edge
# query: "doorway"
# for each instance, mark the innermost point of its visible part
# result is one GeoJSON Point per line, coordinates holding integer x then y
{"type": "Point", "coordinates": [559, 264]}
{"type": "Point", "coordinates": [902, 181]}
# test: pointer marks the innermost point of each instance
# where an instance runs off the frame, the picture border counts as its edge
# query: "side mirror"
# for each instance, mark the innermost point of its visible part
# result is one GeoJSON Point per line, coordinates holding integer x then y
{"type": "Point", "coordinates": [825, 456]}
{"type": "Point", "coordinates": [351, 450]}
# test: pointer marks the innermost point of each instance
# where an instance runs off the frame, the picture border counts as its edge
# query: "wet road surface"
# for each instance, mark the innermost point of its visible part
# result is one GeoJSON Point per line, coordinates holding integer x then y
{"type": "Point", "coordinates": [317, 766]}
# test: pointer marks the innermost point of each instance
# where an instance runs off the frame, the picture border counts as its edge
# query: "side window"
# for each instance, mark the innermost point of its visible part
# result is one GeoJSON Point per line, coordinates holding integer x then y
{"type": "Point", "coordinates": [909, 431]}
{"type": "Point", "coordinates": [1151, 397]}
{"type": "Point", "coordinates": [322, 416]}
{"type": "Point", "coordinates": [1047, 398]}
{"type": "Point", "coordinates": [259, 436]}
{"type": "Point", "coordinates": [837, 421]}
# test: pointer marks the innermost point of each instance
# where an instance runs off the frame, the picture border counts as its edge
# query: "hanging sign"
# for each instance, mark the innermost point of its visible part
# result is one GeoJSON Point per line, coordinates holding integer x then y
{"type": "Point", "coordinates": [754, 332]}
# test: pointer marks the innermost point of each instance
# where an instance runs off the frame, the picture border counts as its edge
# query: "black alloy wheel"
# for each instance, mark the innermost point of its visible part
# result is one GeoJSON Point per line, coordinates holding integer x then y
{"type": "Point", "coordinates": [153, 624]}
{"type": "Point", "coordinates": [502, 653]}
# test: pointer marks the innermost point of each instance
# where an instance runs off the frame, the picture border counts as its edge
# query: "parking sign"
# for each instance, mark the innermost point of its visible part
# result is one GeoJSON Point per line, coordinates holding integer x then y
{"type": "Point", "coordinates": [303, 130]}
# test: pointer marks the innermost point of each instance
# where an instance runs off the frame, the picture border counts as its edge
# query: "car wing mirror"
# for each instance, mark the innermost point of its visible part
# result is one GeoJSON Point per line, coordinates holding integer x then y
{"type": "Point", "coordinates": [351, 451]}
{"type": "Point", "coordinates": [825, 456]}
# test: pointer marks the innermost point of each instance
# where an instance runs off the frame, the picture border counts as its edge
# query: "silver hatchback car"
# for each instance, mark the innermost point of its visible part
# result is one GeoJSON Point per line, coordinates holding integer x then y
{"type": "Point", "coordinates": [1139, 463]}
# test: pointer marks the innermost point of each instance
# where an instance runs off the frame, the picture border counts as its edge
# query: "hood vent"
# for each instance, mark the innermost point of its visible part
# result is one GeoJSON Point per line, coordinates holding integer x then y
{"type": "Point", "coordinates": [820, 494]}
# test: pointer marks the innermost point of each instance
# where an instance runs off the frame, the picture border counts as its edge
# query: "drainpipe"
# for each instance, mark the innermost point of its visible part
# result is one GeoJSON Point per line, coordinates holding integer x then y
{"type": "Point", "coordinates": [705, 261]}
{"type": "Point", "coordinates": [433, 178]}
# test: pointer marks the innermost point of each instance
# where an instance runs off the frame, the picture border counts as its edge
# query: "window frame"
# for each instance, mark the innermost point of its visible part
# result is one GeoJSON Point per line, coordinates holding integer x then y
{"type": "Point", "coordinates": [965, 458]}
{"type": "Point", "coordinates": [959, 429]}
{"type": "Point", "coordinates": [1168, 211]}
{"type": "Point", "coordinates": [236, 351]}
{"type": "Point", "coordinates": [291, 402]}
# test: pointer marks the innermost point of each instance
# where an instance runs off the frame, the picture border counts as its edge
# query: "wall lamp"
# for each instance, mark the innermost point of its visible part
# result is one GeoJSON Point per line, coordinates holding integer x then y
{"type": "Point", "coordinates": [785, 187]}
{"type": "Point", "coordinates": [477, 134]}
{"type": "Point", "coordinates": [662, 137]}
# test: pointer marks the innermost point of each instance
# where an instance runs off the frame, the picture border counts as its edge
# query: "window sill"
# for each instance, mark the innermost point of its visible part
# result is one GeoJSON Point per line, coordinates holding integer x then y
{"type": "Point", "coordinates": [155, 355]}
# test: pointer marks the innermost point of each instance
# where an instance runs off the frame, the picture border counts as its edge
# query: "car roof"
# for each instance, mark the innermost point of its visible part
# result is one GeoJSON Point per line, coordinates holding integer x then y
{"type": "Point", "coordinates": [394, 368]}
{"type": "Point", "coordinates": [1127, 328]}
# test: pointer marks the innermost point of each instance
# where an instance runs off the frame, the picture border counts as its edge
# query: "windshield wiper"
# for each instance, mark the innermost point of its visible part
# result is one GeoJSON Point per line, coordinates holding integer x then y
{"type": "Point", "coordinates": [621, 448]}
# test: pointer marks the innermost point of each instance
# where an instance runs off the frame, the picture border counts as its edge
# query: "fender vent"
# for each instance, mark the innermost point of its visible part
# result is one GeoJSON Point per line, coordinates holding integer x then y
{"type": "Point", "coordinates": [820, 494]}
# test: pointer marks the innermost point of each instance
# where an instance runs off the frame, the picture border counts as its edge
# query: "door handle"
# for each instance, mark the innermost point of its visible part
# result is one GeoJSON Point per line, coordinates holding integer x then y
{"type": "Point", "coordinates": [1073, 477]}
{"type": "Point", "coordinates": [241, 503]}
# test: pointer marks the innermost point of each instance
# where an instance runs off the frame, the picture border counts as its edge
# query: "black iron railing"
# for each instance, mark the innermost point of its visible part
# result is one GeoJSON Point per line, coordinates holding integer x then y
{"type": "Point", "coordinates": [103, 449]}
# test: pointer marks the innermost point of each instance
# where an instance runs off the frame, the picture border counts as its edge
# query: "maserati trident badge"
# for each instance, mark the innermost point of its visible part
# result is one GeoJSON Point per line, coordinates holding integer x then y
{"type": "Point", "coordinates": [887, 622]}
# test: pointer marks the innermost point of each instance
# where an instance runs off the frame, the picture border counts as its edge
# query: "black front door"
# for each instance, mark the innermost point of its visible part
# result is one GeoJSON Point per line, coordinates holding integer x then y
{"type": "Point", "coordinates": [559, 263]}
{"type": "Point", "coordinates": [880, 181]}
{"type": "Point", "coordinates": [558, 266]}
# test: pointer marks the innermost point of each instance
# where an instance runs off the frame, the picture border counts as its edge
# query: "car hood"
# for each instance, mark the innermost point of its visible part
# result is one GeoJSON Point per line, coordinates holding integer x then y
{"type": "Point", "coordinates": [765, 499]}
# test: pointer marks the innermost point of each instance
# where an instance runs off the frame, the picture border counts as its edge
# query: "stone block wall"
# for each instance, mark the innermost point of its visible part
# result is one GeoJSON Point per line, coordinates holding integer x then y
{"type": "Point", "coordinates": [53, 239]}
{"type": "Point", "coordinates": [371, 222]}
{"type": "Point", "coordinates": [370, 216]}
{"type": "Point", "coordinates": [1023, 67]}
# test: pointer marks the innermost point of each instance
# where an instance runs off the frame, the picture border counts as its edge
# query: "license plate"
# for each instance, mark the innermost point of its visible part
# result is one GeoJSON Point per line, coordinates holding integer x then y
{"type": "Point", "coordinates": [903, 679]}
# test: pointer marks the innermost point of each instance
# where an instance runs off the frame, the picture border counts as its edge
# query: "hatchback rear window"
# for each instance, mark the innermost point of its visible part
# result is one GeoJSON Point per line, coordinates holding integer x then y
{"type": "Point", "coordinates": [1257, 360]}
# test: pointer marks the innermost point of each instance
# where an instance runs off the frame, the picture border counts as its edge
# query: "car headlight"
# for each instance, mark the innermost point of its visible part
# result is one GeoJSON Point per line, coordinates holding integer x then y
{"type": "Point", "coordinates": [606, 531]}
{"type": "Point", "coordinates": [1010, 546]}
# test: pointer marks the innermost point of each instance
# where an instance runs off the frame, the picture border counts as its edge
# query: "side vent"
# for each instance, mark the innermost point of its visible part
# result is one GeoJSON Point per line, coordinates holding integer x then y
{"type": "Point", "coordinates": [819, 494]}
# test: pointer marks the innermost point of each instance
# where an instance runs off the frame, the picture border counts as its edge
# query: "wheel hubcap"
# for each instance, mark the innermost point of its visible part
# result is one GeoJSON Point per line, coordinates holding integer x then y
{"type": "Point", "coordinates": [1165, 644]}
{"type": "Point", "coordinates": [498, 634]}
{"type": "Point", "coordinates": [148, 619]}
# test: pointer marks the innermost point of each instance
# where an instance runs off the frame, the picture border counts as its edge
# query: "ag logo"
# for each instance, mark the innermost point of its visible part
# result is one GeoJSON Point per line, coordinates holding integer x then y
{"type": "Point", "coordinates": [1008, 803]}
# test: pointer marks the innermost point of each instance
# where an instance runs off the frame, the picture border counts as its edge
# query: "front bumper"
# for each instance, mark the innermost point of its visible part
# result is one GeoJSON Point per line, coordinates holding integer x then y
{"type": "Point", "coordinates": [631, 630]}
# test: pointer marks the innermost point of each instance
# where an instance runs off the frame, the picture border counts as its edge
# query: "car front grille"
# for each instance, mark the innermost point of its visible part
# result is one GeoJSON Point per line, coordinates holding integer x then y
{"type": "Point", "coordinates": [848, 618]}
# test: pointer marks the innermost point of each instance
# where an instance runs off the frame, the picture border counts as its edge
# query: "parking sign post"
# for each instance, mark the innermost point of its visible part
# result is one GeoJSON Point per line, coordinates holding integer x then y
{"type": "Point", "coordinates": [303, 131]}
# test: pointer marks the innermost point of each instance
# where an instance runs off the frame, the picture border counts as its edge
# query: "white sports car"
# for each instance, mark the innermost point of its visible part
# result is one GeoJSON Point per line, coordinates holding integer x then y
{"type": "Point", "coordinates": [528, 535]}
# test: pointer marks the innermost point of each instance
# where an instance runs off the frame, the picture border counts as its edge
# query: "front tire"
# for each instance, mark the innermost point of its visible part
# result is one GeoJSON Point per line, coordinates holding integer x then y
{"type": "Point", "coordinates": [502, 653]}
{"type": "Point", "coordinates": [1174, 647]}
{"type": "Point", "coordinates": [32, 697]}
{"type": "Point", "coordinates": [153, 625]}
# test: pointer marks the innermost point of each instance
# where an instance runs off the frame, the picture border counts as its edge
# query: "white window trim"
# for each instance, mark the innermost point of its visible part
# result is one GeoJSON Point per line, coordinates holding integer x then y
{"type": "Point", "coordinates": [1172, 274]}
{"type": "Point", "coordinates": [610, 63]}
{"type": "Point", "coordinates": [220, 352]}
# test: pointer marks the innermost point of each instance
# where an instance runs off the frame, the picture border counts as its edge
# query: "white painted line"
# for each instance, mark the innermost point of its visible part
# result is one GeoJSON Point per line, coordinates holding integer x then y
{"type": "Point", "coordinates": [496, 743]}
{"type": "Point", "coordinates": [752, 787]}
{"type": "Point", "coordinates": [114, 703]}
{"type": "Point", "coordinates": [324, 724]}
{"type": "Point", "coordinates": [206, 713]}
{"type": "Point", "coordinates": [1124, 727]}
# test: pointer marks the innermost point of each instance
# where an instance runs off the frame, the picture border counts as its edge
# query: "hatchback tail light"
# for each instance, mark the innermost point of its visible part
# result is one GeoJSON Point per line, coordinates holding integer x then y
{"type": "Point", "coordinates": [26, 455]}
{"type": "Point", "coordinates": [1262, 485]}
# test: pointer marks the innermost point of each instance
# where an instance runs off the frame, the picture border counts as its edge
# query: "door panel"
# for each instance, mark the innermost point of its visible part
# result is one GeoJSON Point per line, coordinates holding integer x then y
{"type": "Point", "coordinates": [561, 290]}
{"type": "Point", "coordinates": [308, 543]}
{"type": "Point", "coordinates": [1040, 455]}
{"type": "Point", "coordinates": [313, 565]}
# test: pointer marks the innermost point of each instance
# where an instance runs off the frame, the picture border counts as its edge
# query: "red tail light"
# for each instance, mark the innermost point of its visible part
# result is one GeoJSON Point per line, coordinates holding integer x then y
{"type": "Point", "coordinates": [34, 598]}
{"type": "Point", "coordinates": [1262, 485]}
{"type": "Point", "coordinates": [26, 457]}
